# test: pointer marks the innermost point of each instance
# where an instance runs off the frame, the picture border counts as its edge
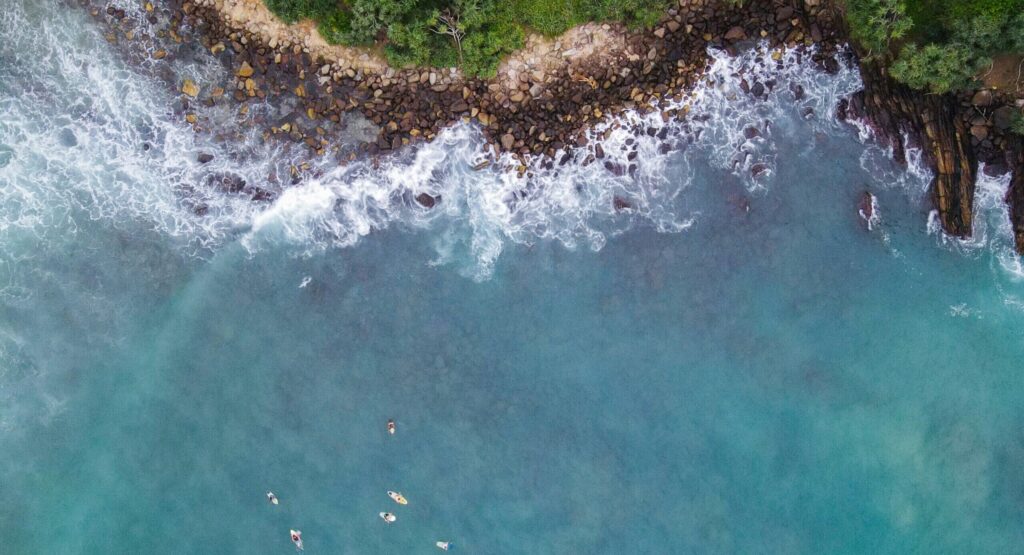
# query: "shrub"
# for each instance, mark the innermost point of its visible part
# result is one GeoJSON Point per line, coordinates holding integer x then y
{"type": "Point", "coordinates": [294, 10]}
{"type": "Point", "coordinates": [1015, 33]}
{"type": "Point", "coordinates": [487, 30]}
{"type": "Point", "coordinates": [1017, 123]}
{"type": "Point", "coordinates": [937, 68]}
{"type": "Point", "coordinates": [370, 16]}
{"type": "Point", "coordinates": [950, 40]}
{"type": "Point", "coordinates": [874, 23]}
{"type": "Point", "coordinates": [485, 50]}
{"type": "Point", "coordinates": [336, 28]}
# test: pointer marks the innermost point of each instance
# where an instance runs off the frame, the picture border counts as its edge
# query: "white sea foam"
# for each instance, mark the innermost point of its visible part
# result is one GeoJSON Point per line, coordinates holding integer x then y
{"type": "Point", "coordinates": [582, 203]}
{"type": "Point", "coordinates": [991, 217]}
{"type": "Point", "coordinates": [76, 123]}
{"type": "Point", "coordinates": [992, 233]}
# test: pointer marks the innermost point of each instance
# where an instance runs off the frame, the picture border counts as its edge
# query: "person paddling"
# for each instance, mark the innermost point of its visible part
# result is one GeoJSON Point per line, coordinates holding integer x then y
{"type": "Point", "coordinates": [271, 497]}
{"type": "Point", "coordinates": [391, 427]}
{"type": "Point", "coordinates": [297, 539]}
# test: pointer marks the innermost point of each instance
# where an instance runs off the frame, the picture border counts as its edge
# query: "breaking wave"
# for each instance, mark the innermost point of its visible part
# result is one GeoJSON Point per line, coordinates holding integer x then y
{"type": "Point", "coordinates": [85, 135]}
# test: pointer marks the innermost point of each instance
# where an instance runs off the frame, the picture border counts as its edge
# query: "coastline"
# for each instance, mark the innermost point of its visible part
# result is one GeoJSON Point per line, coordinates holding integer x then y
{"type": "Point", "coordinates": [529, 109]}
{"type": "Point", "coordinates": [547, 96]}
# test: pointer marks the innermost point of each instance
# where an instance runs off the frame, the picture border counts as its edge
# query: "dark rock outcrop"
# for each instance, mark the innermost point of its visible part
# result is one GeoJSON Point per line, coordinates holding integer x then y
{"type": "Point", "coordinates": [933, 123]}
{"type": "Point", "coordinates": [1015, 194]}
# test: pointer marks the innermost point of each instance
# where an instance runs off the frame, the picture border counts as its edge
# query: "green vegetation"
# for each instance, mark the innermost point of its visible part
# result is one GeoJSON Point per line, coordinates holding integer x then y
{"type": "Point", "coordinates": [472, 34]}
{"type": "Point", "coordinates": [938, 68]}
{"type": "Point", "coordinates": [1017, 125]}
{"type": "Point", "coordinates": [875, 23]}
{"type": "Point", "coordinates": [937, 45]}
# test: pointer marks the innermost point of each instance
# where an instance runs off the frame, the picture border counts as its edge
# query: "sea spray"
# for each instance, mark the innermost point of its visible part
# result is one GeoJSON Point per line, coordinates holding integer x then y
{"type": "Point", "coordinates": [108, 127]}
{"type": "Point", "coordinates": [589, 194]}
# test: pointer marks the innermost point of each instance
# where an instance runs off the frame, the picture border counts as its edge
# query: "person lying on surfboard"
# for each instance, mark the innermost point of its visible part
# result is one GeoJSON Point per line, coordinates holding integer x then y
{"type": "Point", "coordinates": [297, 539]}
{"type": "Point", "coordinates": [398, 497]}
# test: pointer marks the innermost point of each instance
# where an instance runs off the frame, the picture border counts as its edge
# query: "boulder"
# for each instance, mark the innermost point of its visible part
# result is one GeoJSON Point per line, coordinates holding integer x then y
{"type": "Point", "coordinates": [190, 88]}
{"type": "Point", "coordinates": [983, 98]}
{"type": "Point", "coordinates": [507, 141]}
{"type": "Point", "coordinates": [426, 200]}
{"type": "Point", "coordinates": [204, 157]}
{"type": "Point", "coordinates": [245, 70]}
{"type": "Point", "coordinates": [1003, 117]}
{"type": "Point", "coordinates": [735, 33]}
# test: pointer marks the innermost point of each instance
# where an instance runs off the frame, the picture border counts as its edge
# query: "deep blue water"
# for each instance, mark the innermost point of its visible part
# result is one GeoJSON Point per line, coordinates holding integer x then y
{"type": "Point", "coordinates": [738, 367]}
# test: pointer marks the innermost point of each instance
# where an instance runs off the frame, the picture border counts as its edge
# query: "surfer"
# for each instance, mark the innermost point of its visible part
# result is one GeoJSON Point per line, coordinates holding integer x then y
{"type": "Point", "coordinates": [388, 517]}
{"type": "Point", "coordinates": [398, 497]}
{"type": "Point", "coordinates": [443, 545]}
{"type": "Point", "coordinates": [391, 427]}
{"type": "Point", "coordinates": [271, 497]}
{"type": "Point", "coordinates": [297, 539]}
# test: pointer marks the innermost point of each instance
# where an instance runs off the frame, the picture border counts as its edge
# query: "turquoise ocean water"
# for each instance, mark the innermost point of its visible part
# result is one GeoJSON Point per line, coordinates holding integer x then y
{"type": "Point", "coordinates": [736, 365]}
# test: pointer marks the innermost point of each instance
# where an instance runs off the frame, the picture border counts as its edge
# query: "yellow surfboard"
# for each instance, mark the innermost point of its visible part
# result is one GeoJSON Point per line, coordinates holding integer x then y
{"type": "Point", "coordinates": [398, 497]}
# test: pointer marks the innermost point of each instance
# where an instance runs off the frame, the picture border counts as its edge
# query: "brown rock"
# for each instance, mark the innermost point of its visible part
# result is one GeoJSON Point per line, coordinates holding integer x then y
{"type": "Point", "coordinates": [426, 200]}
{"type": "Point", "coordinates": [245, 70]}
{"type": "Point", "coordinates": [190, 88]}
{"type": "Point", "coordinates": [735, 33]}
{"type": "Point", "coordinates": [507, 141]}
{"type": "Point", "coordinates": [1003, 117]}
{"type": "Point", "coordinates": [982, 98]}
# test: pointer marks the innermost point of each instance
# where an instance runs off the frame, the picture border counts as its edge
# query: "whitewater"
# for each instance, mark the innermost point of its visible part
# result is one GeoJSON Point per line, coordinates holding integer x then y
{"type": "Point", "coordinates": [690, 344]}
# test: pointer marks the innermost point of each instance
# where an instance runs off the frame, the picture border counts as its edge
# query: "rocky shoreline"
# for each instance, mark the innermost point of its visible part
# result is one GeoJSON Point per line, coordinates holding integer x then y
{"type": "Point", "coordinates": [955, 133]}
{"type": "Point", "coordinates": [540, 112]}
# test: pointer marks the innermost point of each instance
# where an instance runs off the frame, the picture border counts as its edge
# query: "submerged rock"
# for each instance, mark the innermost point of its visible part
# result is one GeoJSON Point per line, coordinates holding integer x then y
{"type": "Point", "coordinates": [866, 210]}
{"type": "Point", "coordinates": [427, 201]}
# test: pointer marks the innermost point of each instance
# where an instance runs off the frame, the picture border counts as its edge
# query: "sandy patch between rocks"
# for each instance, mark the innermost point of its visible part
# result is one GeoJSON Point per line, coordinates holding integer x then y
{"type": "Point", "coordinates": [252, 16]}
{"type": "Point", "coordinates": [540, 58]}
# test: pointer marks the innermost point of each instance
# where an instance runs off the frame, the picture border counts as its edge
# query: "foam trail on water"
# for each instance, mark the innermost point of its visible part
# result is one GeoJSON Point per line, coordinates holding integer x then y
{"type": "Point", "coordinates": [85, 136]}
{"type": "Point", "coordinates": [588, 195]}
